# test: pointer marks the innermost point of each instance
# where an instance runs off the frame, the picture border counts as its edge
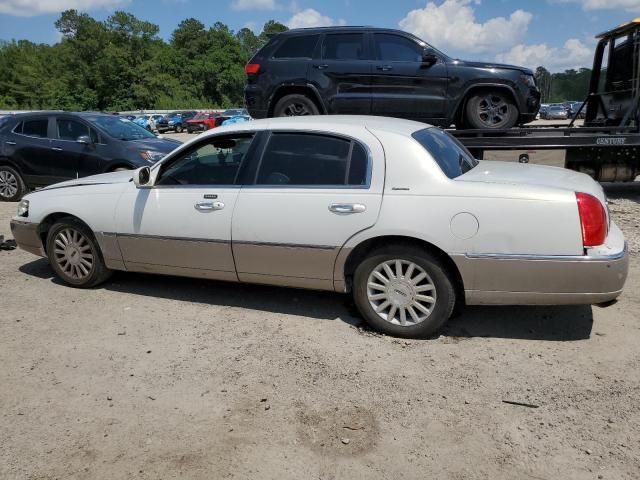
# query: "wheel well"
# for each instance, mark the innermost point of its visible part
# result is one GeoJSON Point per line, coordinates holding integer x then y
{"type": "Point", "coordinates": [360, 252]}
{"type": "Point", "coordinates": [458, 117]}
{"type": "Point", "coordinates": [112, 168]}
{"type": "Point", "coordinates": [46, 224]}
{"type": "Point", "coordinates": [293, 89]}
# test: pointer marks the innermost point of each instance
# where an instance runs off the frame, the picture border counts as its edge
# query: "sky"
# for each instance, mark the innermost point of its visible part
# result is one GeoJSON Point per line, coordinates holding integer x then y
{"type": "Point", "coordinates": [558, 34]}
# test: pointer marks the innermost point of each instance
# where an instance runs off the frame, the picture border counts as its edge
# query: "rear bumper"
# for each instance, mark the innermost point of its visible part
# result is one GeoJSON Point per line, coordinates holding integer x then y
{"type": "Point", "coordinates": [545, 280]}
{"type": "Point", "coordinates": [27, 237]}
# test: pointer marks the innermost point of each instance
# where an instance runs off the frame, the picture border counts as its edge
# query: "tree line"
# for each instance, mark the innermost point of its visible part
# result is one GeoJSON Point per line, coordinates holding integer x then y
{"type": "Point", "coordinates": [121, 63]}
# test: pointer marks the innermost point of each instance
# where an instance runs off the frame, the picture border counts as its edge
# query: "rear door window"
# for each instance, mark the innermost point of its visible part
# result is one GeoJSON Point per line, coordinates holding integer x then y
{"type": "Point", "coordinates": [306, 159]}
{"type": "Point", "coordinates": [297, 47]}
{"type": "Point", "coordinates": [35, 128]}
{"type": "Point", "coordinates": [344, 46]}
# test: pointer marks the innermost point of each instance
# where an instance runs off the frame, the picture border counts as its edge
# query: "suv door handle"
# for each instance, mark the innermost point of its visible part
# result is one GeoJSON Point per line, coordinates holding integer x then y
{"type": "Point", "coordinates": [10, 143]}
{"type": "Point", "coordinates": [208, 206]}
{"type": "Point", "coordinates": [57, 149]}
{"type": "Point", "coordinates": [347, 208]}
{"type": "Point", "coordinates": [385, 68]}
{"type": "Point", "coordinates": [321, 67]}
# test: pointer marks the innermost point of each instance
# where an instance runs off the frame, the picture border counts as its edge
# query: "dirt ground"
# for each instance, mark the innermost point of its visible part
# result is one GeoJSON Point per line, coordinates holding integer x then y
{"type": "Point", "coordinates": [158, 377]}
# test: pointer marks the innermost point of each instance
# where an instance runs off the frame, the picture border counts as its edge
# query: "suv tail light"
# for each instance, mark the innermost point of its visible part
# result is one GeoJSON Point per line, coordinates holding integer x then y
{"type": "Point", "coordinates": [593, 220]}
{"type": "Point", "coordinates": [252, 68]}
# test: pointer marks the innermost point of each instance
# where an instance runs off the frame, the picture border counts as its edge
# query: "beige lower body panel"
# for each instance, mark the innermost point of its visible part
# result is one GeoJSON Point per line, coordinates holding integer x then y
{"type": "Point", "coordinates": [182, 271]}
{"type": "Point", "coordinates": [287, 265]}
{"type": "Point", "coordinates": [544, 281]}
{"type": "Point", "coordinates": [27, 237]}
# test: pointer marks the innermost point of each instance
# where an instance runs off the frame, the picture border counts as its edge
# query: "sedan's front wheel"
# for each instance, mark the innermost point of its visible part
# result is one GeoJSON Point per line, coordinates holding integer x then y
{"type": "Point", "coordinates": [74, 254]}
{"type": "Point", "coordinates": [404, 292]}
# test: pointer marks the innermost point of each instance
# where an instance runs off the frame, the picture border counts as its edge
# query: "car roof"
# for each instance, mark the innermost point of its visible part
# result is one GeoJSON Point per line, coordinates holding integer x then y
{"type": "Point", "coordinates": [343, 28]}
{"type": "Point", "coordinates": [328, 123]}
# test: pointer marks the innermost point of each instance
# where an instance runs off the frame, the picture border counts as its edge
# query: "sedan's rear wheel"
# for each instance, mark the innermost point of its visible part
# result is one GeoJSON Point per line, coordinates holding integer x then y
{"type": "Point", "coordinates": [491, 110]}
{"type": "Point", "coordinates": [12, 186]}
{"type": "Point", "coordinates": [404, 292]}
{"type": "Point", "coordinates": [74, 254]}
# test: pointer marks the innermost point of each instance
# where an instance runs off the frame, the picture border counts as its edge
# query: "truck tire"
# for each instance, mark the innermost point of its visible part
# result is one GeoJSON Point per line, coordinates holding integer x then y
{"type": "Point", "coordinates": [295, 105]}
{"type": "Point", "coordinates": [491, 110]}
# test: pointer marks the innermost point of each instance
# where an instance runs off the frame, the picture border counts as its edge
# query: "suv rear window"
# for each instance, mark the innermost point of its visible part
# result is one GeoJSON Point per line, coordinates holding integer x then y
{"type": "Point", "coordinates": [297, 47]}
{"type": "Point", "coordinates": [452, 157]}
{"type": "Point", "coordinates": [343, 46]}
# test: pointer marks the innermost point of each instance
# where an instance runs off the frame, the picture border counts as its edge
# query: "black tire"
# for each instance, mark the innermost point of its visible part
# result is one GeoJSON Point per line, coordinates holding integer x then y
{"type": "Point", "coordinates": [295, 105]}
{"type": "Point", "coordinates": [96, 273]}
{"type": "Point", "coordinates": [178, 128]}
{"type": "Point", "coordinates": [491, 110]}
{"type": "Point", "coordinates": [12, 186]}
{"type": "Point", "coordinates": [437, 276]}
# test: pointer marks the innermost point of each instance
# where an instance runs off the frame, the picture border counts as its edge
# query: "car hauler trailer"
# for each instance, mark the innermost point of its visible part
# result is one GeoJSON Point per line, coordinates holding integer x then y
{"type": "Point", "coordinates": [607, 147]}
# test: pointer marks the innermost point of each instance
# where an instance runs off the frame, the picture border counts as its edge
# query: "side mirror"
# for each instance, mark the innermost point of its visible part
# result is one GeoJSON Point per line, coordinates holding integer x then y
{"type": "Point", "coordinates": [142, 177]}
{"type": "Point", "coordinates": [84, 140]}
{"type": "Point", "coordinates": [429, 57]}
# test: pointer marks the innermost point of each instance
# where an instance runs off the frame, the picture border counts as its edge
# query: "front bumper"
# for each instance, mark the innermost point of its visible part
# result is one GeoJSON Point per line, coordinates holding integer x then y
{"type": "Point", "coordinates": [546, 280]}
{"type": "Point", "coordinates": [27, 237]}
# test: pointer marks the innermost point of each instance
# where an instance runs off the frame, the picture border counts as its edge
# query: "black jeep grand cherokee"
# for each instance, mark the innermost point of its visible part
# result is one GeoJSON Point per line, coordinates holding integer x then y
{"type": "Point", "coordinates": [375, 71]}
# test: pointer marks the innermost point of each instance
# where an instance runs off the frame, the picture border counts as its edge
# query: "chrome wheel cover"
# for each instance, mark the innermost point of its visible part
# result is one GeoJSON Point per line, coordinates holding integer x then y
{"type": "Point", "coordinates": [8, 184]}
{"type": "Point", "coordinates": [73, 254]}
{"type": "Point", "coordinates": [401, 292]}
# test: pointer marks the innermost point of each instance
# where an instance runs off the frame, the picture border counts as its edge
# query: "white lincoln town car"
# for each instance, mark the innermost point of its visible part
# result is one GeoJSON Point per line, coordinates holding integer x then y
{"type": "Point", "coordinates": [395, 212]}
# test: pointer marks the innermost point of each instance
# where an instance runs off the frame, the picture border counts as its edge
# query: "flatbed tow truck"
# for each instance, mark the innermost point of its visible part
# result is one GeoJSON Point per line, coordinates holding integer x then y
{"type": "Point", "coordinates": [607, 146]}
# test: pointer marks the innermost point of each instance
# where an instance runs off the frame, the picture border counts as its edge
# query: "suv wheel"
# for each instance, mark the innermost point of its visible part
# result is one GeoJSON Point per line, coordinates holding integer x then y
{"type": "Point", "coordinates": [404, 292]}
{"type": "Point", "coordinates": [491, 110]}
{"type": "Point", "coordinates": [294, 106]}
{"type": "Point", "coordinates": [12, 186]}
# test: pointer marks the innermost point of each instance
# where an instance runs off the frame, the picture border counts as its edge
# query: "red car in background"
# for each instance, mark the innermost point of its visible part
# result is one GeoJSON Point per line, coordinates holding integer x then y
{"type": "Point", "coordinates": [204, 121]}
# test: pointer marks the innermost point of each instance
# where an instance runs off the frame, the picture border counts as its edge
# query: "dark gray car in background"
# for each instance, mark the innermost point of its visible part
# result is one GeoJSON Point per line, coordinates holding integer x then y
{"type": "Point", "coordinates": [39, 149]}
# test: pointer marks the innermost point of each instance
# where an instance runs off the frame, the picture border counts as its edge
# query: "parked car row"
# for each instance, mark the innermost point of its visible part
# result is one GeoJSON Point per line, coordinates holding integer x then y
{"type": "Point", "coordinates": [207, 120]}
{"type": "Point", "coordinates": [562, 111]}
{"type": "Point", "coordinates": [38, 149]}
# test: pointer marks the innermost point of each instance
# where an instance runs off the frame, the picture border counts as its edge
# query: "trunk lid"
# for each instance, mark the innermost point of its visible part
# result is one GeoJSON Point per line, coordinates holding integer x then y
{"type": "Point", "coordinates": [537, 175]}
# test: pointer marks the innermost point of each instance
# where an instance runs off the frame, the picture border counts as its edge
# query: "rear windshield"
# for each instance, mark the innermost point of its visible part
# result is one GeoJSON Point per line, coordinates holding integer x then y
{"type": "Point", "coordinates": [452, 157]}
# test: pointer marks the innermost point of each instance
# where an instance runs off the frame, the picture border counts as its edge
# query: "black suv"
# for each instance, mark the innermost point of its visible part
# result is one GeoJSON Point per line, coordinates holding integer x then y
{"type": "Point", "coordinates": [375, 71]}
{"type": "Point", "coordinates": [38, 149]}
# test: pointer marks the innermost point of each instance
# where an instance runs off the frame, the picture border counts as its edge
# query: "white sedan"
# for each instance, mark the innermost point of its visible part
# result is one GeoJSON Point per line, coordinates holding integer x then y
{"type": "Point", "coordinates": [396, 212]}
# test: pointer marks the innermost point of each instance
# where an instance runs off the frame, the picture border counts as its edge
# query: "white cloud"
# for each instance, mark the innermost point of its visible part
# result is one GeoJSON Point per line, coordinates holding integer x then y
{"type": "Point", "coordinates": [573, 54]}
{"type": "Point", "coordinates": [312, 18]}
{"type": "Point", "coordinates": [30, 8]}
{"type": "Point", "coordinates": [452, 24]}
{"type": "Point", "coordinates": [629, 5]}
{"type": "Point", "coordinates": [253, 4]}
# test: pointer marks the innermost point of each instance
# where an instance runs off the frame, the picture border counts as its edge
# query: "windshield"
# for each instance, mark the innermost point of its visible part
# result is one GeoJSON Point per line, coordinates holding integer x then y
{"type": "Point", "coordinates": [121, 128]}
{"type": "Point", "coordinates": [450, 155]}
{"type": "Point", "coordinates": [200, 116]}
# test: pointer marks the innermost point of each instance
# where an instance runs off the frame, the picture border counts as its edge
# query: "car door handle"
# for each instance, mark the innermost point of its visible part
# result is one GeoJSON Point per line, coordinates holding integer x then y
{"type": "Point", "coordinates": [385, 68]}
{"type": "Point", "coordinates": [57, 149]}
{"type": "Point", "coordinates": [208, 206]}
{"type": "Point", "coordinates": [10, 143]}
{"type": "Point", "coordinates": [321, 67]}
{"type": "Point", "coordinates": [347, 208]}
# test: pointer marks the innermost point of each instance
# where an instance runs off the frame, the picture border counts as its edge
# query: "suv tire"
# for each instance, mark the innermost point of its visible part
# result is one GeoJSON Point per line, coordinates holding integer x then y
{"type": "Point", "coordinates": [491, 110]}
{"type": "Point", "coordinates": [295, 105]}
{"type": "Point", "coordinates": [420, 297]}
{"type": "Point", "coordinates": [12, 186]}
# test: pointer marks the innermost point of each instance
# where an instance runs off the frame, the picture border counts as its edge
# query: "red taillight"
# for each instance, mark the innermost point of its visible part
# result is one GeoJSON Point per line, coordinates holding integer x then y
{"type": "Point", "coordinates": [593, 220]}
{"type": "Point", "coordinates": [251, 68]}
